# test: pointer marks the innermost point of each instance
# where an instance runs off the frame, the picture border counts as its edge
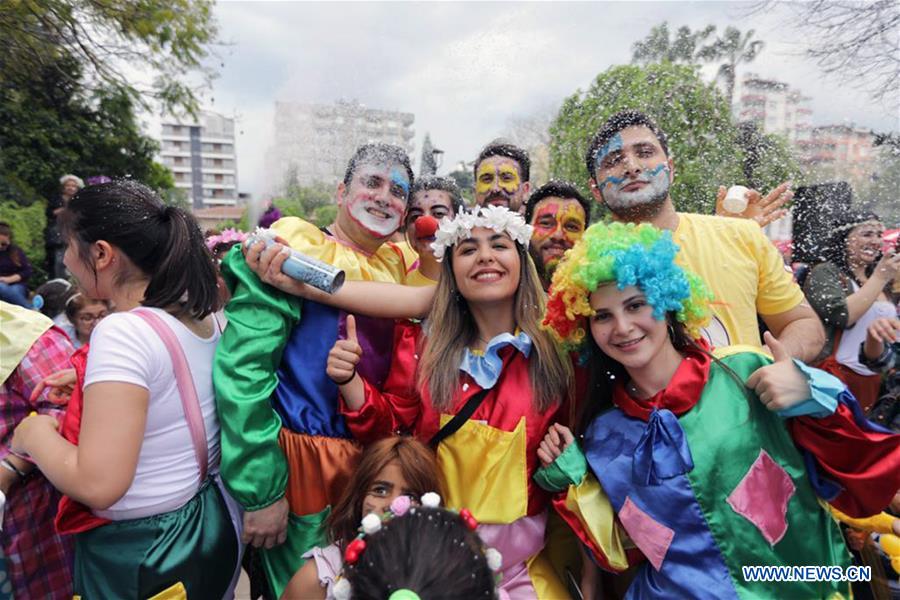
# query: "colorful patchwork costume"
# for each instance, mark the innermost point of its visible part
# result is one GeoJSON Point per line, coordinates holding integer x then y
{"type": "Point", "coordinates": [702, 480]}
{"type": "Point", "coordinates": [281, 430]}
{"type": "Point", "coordinates": [488, 463]}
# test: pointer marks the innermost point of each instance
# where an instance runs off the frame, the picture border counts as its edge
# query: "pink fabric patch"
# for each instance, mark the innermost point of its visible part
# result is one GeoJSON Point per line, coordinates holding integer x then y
{"type": "Point", "coordinates": [653, 538]}
{"type": "Point", "coordinates": [762, 497]}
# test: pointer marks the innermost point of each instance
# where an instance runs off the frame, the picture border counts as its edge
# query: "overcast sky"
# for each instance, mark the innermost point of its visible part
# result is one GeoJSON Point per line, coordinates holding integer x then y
{"type": "Point", "coordinates": [466, 68]}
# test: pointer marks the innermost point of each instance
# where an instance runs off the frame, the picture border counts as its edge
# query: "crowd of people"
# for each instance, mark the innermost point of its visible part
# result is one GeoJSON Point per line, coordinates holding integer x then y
{"type": "Point", "coordinates": [500, 400]}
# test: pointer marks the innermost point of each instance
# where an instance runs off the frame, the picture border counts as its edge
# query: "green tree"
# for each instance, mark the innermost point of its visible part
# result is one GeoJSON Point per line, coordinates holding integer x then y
{"type": "Point", "coordinates": [168, 39]}
{"type": "Point", "coordinates": [50, 125]}
{"type": "Point", "coordinates": [466, 181]}
{"type": "Point", "coordinates": [659, 46]}
{"type": "Point", "coordinates": [733, 48]}
{"type": "Point", "coordinates": [882, 194]}
{"type": "Point", "coordinates": [27, 224]}
{"type": "Point", "coordinates": [696, 119]}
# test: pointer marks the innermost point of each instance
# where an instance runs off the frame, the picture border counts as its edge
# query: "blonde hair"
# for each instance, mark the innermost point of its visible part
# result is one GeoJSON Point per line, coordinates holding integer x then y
{"type": "Point", "coordinates": [450, 329]}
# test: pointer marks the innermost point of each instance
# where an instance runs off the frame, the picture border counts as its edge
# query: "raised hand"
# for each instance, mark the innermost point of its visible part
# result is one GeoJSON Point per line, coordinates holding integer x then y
{"type": "Point", "coordinates": [557, 439]}
{"type": "Point", "coordinates": [780, 385]}
{"type": "Point", "coordinates": [344, 356]}
{"type": "Point", "coordinates": [762, 209]}
{"type": "Point", "coordinates": [266, 263]}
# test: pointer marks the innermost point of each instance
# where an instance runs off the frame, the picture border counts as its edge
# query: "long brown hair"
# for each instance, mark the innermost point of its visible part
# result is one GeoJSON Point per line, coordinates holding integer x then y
{"type": "Point", "coordinates": [450, 328]}
{"type": "Point", "coordinates": [416, 462]}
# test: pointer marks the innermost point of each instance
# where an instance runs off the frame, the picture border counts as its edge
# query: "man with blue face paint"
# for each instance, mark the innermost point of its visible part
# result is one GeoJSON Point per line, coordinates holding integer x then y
{"type": "Point", "coordinates": [286, 451]}
{"type": "Point", "coordinates": [631, 172]}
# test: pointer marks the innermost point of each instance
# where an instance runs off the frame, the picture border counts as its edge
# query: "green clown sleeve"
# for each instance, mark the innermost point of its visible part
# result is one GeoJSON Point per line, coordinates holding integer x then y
{"type": "Point", "coordinates": [260, 320]}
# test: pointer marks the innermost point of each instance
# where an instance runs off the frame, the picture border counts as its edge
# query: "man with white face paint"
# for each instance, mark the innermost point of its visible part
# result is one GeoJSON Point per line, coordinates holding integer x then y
{"type": "Point", "coordinates": [285, 446]}
{"type": "Point", "coordinates": [631, 171]}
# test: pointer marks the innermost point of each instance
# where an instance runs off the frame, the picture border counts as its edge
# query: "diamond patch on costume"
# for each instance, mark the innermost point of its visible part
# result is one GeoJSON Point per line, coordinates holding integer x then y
{"type": "Point", "coordinates": [762, 497]}
{"type": "Point", "coordinates": [652, 537]}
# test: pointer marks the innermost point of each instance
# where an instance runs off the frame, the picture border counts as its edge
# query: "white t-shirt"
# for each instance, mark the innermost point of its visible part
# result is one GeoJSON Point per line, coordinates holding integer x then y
{"type": "Point", "coordinates": [124, 348]}
{"type": "Point", "coordinates": [852, 337]}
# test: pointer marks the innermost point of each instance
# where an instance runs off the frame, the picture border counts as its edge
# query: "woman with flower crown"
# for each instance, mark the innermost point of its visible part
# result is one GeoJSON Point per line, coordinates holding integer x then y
{"type": "Point", "coordinates": [680, 468]}
{"type": "Point", "coordinates": [480, 348]}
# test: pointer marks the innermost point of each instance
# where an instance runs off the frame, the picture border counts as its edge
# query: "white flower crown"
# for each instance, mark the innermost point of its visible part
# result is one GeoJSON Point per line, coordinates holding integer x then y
{"type": "Point", "coordinates": [498, 218]}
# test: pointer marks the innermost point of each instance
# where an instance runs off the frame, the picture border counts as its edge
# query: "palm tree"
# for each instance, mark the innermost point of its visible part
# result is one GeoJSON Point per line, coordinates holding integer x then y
{"type": "Point", "coordinates": [735, 48]}
{"type": "Point", "coordinates": [658, 46]}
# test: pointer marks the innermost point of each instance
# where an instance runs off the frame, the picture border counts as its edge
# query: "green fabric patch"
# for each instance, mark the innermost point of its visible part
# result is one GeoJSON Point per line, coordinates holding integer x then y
{"type": "Point", "coordinates": [726, 431]}
{"type": "Point", "coordinates": [303, 534]}
{"type": "Point", "coordinates": [569, 468]}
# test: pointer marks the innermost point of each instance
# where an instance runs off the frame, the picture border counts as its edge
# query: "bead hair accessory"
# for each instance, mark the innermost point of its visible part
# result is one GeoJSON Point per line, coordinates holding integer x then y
{"type": "Point", "coordinates": [372, 523]}
{"type": "Point", "coordinates": [498, 218]}
{"type": "Point", "coordinates": [624, 254]}
{"type": "Point", "coordinates": [227, 236]}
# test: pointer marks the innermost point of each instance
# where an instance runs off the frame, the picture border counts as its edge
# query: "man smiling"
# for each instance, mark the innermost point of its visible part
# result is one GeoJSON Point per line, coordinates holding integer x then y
{"type": "Point", "coordinates": [559, 214]}
{"type": "Point", "coordinates": [501, 176]}
{"type": "Point", "coordinates": [285, 447]}
{"type": "Point", "coordinates": [631, 171]}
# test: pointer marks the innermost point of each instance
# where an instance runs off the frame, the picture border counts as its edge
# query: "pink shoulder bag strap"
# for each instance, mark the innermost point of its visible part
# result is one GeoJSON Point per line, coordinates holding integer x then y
{"type": "Point", "coordinates": [189, 401]}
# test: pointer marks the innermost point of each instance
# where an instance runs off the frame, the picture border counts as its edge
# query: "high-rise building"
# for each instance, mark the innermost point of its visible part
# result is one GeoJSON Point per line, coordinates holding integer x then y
{"type": "Point", "coordinates": [842, 152]}
{"type": "Point", "coordinates": [314, 142]}
{"type": "Point", "coordinates": [775, 108]}
{"type": "Point", "coordinates": [201, 154]}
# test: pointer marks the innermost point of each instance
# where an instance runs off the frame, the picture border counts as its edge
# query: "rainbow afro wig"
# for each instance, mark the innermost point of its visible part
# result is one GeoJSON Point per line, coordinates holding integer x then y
{"type": "Point", "coordinates": [628, 254]}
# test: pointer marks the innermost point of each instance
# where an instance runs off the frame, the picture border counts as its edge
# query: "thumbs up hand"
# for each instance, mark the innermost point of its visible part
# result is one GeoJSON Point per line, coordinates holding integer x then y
{"type": "Point", "coordinates": [344, 356]}
{"type": "Point", "coordinates": [780, 385]}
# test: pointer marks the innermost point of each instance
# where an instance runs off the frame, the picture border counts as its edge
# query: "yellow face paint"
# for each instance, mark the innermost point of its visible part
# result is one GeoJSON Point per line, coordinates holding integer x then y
{"type": "Point", "coordinates": [566, 217]}
{"type": "Point", "coordinates": [572, 221]}
{"type": "Point", "coordinates": [505, 175]}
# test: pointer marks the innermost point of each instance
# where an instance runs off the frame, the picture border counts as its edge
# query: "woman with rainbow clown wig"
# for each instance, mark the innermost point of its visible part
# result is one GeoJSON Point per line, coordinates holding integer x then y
{"type": "Point", "coordinates": [685, 465]}
{"type": "Point", "coordinates": [481, 346]}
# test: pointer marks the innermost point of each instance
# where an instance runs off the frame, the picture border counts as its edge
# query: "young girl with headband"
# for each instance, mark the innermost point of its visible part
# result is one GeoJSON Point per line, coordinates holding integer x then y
{"type": "Point", "coordinates": [682, 466]}
{"type": "Point", "coordinates": [390, 468]}
{"type": "Point", "coordinates": [139, 451]}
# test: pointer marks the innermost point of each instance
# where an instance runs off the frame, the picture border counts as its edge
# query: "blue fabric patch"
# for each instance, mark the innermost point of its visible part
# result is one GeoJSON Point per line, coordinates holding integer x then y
{"type": "Point", "coordinates": [485, 370]}
{"type": "Point", "coordinates": [692, 561]}
{"type": "Point", "coordinates": [662, 452]}
{"type": "Point", "coordinates": [306, 398]}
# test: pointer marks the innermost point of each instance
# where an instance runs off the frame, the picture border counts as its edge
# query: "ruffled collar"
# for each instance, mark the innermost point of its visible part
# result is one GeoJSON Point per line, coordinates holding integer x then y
{"type": "Point", "coordinates": [485, 367]}
{"type": "Point", "coordinates": [662, 452]}
{"type": "Point", "coordinates": [679, 396]}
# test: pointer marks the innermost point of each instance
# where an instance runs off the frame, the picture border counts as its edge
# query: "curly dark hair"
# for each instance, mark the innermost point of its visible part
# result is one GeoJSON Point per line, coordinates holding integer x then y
{"type": "Point", "coordinates": [428, 551]}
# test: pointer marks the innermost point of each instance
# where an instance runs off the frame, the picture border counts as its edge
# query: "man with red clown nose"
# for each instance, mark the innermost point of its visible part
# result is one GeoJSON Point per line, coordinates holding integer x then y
{"type": "Point", "coordinates": [285, 448]}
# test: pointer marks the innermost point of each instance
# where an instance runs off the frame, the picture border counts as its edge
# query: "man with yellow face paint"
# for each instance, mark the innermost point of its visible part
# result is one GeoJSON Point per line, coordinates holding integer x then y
{"type": "Point", "coordinates": [559, 214]}
{"type": "Point", "coordinates": [501, 176]}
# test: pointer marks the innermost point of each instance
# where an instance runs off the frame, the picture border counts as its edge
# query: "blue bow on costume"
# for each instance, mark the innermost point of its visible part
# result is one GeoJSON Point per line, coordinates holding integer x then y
{"type": "Point", "coordinates": [662, 452]}
{"type": "Point", "coordinates": [485, 368]}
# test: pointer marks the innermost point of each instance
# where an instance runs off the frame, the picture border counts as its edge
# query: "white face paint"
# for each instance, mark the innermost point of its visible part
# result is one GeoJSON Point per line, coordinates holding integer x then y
{"type": "Point", "coordinates": [377, 198]}
{"type": "Point", "coordinates": [654, 191]}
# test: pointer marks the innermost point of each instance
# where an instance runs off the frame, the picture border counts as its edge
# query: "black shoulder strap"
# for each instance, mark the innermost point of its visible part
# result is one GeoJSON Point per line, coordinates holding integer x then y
{"type": "Point", "coordinates": [459, 419]}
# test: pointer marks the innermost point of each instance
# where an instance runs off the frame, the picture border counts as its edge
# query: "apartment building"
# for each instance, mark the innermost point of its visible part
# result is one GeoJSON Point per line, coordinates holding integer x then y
{"type": "Point", "coordinates": [314, 142]}
{"type": "Point", "coordinates": [776, 108]}
{"type": "Point", "coordinates": [202, 156]}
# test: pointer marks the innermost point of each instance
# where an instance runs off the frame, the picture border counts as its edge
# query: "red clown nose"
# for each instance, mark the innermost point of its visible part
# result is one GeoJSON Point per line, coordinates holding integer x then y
{"type": "Point", "coordinates": [426, 225]}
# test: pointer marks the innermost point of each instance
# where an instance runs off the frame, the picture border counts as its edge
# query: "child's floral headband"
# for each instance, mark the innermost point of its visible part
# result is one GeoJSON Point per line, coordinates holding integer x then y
{"type": "Point", "coordinates": [498, 218]}
{"type": "Point", "coordinates": [372, 523]}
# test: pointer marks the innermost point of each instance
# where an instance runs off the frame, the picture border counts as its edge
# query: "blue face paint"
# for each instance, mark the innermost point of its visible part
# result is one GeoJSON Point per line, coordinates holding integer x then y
{"type": "Point", "coordinates": [611, 181]}
{"type": "Point", "coordinates": [398, 177]}
{"type": "Point", "coordinates": [615, 143]}
{"type": "Point", "coordinates": [655, 170]}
